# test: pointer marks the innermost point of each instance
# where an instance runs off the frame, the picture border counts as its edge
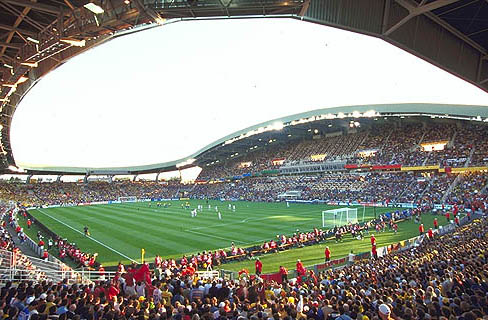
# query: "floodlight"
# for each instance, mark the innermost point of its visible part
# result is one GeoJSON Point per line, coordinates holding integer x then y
{"type": "Point", "coordinates": [33, 40]}
{"type": "Point", "coordinates": [73, 42]}
{"type": "Point", "coordinates": [22, 79]}
{"type": "Point", "coordinates": [30, 64]}
{"type": "Point", "coordinates": [277, 125]}
{"type": "Point", "coordinates": [160, 20]}
{"type": "Point", "coordinates": [96, 9]}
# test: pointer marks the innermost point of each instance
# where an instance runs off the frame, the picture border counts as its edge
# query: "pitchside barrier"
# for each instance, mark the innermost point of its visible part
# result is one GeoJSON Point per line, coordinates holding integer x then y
{"type": "Point", "coordinates": [382, 251]}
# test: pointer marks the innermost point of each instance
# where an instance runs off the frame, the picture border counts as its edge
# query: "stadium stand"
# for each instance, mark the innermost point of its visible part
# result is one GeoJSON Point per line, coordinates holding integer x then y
{"type": "Point", "coordinates": [440, 278]}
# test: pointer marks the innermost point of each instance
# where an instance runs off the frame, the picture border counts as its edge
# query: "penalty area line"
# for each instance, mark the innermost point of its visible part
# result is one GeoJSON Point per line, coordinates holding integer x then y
{"type": "Point", "coordinates": [91, 238]}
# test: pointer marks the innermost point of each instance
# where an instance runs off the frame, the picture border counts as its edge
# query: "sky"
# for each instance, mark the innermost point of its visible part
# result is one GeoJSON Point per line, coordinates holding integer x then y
{"type": "Point", "coordinates": [163, 94]}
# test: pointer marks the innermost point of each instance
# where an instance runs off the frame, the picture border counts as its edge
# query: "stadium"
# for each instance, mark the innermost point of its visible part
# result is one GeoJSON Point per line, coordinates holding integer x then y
{"type": "Point", "coordinates": [263, 189]}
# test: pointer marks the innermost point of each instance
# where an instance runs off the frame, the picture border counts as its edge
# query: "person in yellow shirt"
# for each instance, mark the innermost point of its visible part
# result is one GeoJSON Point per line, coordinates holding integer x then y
{"type": "Point", "coordinates": [49, 303]}
{"type": "Point", "coordinates": [167, 296]}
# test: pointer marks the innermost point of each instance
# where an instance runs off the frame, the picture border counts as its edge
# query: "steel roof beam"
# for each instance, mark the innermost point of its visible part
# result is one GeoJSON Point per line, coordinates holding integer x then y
{"type": "Point", "coordinates": [11, 45]}
{"type": "Point", "coordinates": [23, 31]}
{"type": "Point", "coordinates": [416, 11]}
{"type": "Point", "coordinates": [35, 6]}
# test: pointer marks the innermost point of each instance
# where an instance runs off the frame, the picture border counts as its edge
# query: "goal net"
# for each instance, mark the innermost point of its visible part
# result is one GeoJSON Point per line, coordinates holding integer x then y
{"type": "Point", "coordinates": [339, 217]}
{"type": "Point", "coordinates": [127, 199]}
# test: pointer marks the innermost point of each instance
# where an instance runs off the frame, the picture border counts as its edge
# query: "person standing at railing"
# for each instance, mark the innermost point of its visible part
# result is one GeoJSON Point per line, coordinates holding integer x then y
{"type": "Point", "coordinates": [284, 274]}
{"type": "Point", "coordinates": [258, 266]}
{"type": "Point", "coordinates": [327, 254]}
{"type": "Point", "coordinates": [101, 272]}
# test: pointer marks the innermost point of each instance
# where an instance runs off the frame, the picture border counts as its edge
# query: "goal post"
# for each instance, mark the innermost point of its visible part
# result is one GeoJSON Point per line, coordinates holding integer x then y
{"type": "Point", "coordinates": [339, 217]}
{"type": "Point", "coordinates": [127, 199]}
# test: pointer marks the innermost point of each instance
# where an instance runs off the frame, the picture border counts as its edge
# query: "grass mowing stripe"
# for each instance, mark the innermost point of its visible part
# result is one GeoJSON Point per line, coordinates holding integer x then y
{"type": "Point", "coordinates": [100, 243]}
{"type": "Point", "coordinates": [214, 236]}
{"type": "Point", "coordinates": [174, 241]}
{"type": "Point", "coordinates": [150, 235]}
{"type": "Point", "coordinates": [128, 227]}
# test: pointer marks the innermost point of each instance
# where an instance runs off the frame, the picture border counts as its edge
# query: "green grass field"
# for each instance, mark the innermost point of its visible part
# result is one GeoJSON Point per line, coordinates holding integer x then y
{"type": "Point", "coordinates": [119, 231]}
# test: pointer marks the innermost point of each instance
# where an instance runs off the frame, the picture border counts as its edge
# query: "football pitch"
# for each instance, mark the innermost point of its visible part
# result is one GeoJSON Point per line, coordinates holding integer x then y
{"type": "Point", "coordinates": [120, 231]}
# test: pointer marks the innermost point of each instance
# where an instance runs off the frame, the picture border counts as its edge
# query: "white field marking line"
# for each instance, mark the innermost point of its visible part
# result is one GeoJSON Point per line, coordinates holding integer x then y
{"type": "Point", "coordinates": [100, 243]}
{"type": "Point", "coordinates": [213, 236]}
{"type": "Point", "coordinates": [246, 220]}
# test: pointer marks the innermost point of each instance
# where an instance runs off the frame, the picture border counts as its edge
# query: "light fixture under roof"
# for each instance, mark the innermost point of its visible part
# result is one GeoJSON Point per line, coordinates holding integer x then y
{"type": "Point", "coordinates": [96, 9]}
{"type": "Point", "coordinates": [32, 40]}
{"type": "Point", "coordinates": [73, 42]}
{"type": "Point", "coordinates": [30, 64]}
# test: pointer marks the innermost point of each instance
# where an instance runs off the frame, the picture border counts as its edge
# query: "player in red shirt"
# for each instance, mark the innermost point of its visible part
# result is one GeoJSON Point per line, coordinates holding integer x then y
{"type": "Point", "coordinates": [259, 267]}
{"type": "Point", "coordinates": [284, 274]}
{"type": "Point", "coordinates": [373, 240]}
{"type": "Point", "coordinates": [448, 217]}
{"type": "Point", "coordinates": [157, 261]}
{"type": "Point", "coordinates": [374, 253]}
{"type": "Point", "coordinates": [436, 224]}
{"type": "Point", "coordinates": [29, 223]}
{"type": "Point", "coordinates": [300, 268]}
{"type": "Point", "coordinates": [456, 221]}
{"type": "Point", "coordinates": [327, 254]}
{"type": "Point", "coordinates": [421, 229]}
{"type": "Point", "coordinates": [430, 234]}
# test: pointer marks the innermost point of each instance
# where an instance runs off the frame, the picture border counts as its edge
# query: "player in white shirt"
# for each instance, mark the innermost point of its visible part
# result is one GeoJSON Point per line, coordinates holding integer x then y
{"type": "Point", "coordinates": [216, 209]}
{"type": "Point", "coordinates": [220, 216]}
{"type": "Point", "coordinates": [233, 208]}
{"type": "Point", "coordinates": [230, 206]}
{"type": "Point", "coordinates": [194, 213]}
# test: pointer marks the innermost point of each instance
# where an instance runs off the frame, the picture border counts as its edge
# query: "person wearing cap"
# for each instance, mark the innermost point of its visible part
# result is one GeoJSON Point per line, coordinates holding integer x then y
{"type": "Point", "coordinates": [26, 311]}
{"type": "Point", "coordinates": [384, 312]}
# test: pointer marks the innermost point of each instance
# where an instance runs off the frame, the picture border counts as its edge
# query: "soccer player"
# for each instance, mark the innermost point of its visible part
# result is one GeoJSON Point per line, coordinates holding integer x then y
{"type": "Point", "coordinates": [220, 216]}
{"type": "Point", "coordinates": [230, 206]}
{"type": "Point", "coordinates": [194, 213]}
{"type": "Point", "coordinates": [86, 231]}
{"type": "Point", "coordinates": [436, 224]}
{"type": "Point", "coordinates": [258, 265]}
{"type": "Point", "coordinates": [421, 229]}
{"type": "Point", "coordinates": [287, 204]}
{"type": "Point", "coordinates": [234, 208]}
